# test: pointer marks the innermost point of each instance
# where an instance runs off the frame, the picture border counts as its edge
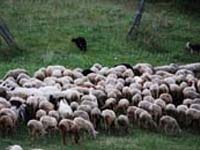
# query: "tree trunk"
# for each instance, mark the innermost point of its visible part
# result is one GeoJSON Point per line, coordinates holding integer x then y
{"type": "Point", "coordinates": [133, 31]}
{"type": "Point", "coordinates": [6, 34]}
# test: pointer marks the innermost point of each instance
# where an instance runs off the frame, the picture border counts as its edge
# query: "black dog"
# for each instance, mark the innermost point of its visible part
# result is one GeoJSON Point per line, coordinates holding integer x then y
{"type": "Point", "coordinates": [81, 43]}
{"type": "Point", "coordinates": [193, 47]}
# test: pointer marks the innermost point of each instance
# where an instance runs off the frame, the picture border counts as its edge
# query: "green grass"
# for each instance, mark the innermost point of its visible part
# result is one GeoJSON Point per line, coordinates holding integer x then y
{"type": "Point", "coordinates": [137, 140]}
{"type": "Point", "coordinates": [44, 30]}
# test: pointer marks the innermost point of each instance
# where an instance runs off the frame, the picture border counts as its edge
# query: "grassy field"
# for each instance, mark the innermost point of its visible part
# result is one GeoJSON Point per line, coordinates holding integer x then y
{"type": "Point", "coordinates": [136, 140]}
{"type": "Point", "coordinates": [44, 30]}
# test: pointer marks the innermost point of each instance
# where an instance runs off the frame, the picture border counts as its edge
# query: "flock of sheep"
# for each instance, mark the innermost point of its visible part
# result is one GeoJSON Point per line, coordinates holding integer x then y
{"type": "Point", "coordinates": [164, 98]}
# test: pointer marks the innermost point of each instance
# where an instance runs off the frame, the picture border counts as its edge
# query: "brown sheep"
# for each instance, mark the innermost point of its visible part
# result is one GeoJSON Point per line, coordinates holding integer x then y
{"type": "Point", "coordinates": [166, 97]}
{"type": "Point", "coordinates": [68, 126]}
{"type": "Point", "coordinates": [131, 113]}
{"type": "Point", "coordinates": [109, 118]}
{"type": "Point", "coordinates": [6, 124]}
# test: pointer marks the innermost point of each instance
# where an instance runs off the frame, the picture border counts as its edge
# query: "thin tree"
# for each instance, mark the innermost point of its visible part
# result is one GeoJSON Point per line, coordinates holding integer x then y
{"type": "Point", "coordinates": [133, 31]}
{"type": "Point", "coordinates": [6, 34]}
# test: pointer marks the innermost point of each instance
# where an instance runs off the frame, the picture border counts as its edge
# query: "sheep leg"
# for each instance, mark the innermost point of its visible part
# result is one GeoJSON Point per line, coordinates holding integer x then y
{"type": "Point", "coordinates": [76, 137]}
{"type": "Point", "coordinates": [63, 137]}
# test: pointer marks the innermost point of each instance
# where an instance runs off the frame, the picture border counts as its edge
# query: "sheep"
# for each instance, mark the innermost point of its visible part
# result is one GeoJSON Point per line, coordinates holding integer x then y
{"type": "Point", "coordinates": [81, 113]}
{"type": "Point", "coordinates": [171, 110]}
{"type": "Point", "coordinates": [64, 109]}
{"type": "Point", "coordinates": [14, 73]}
{"type": "Point", "coordinates": [181, 109]}
{"type": "Point", "coordinates": [166, 97]}
{"type": "Point", "coordinates": [3, 92]}
{"type": "Point", "coordinates": [154, 88]}
{"type": "Point", "coordinates": [169, 125]}
{"type": "Point", "coordinates": [155, 111]}
{"type": "Point", "coordinates": [136, 99]}
{"type": "Point", "coordinates": [122, 105]}
{"type": "Point", "coordinates": [5, 103]}
{"type": "Point", "coordinates": [7, 124]}
{"type": "Point", "coordinates": [148, 99]}
{"type": "Point", "coordinates": [40, 74]}
{"type": "Point", "coordinates": [187, 102]}
{"type": "Point", "coordinates": [40, 113]}
{"type": "Point", "coordinates": [146, 121]}
{"type": "Point", "coordinates": [137, 113]}
{"type": "Point", "coordinates": [72, 95]}
{"type": "Point", "coordinates": [195, 106]}
{"type": "Point", "coordinates": [128, 73]}
{"type": "Point", "coordinates": [46, 105]}
{"type": "Point", "coordinates": [69, 126]}
{"type": "Point", "coordinates": [16, 101]}
{"type": "Point", "coordinates": [96, 117]}
{"type": "Point", "coordinates": [85, 125]}
{"type": "Point", "coordinates": [109, 117]}
{"type": "Point", "coordinates": [74, 106]}
{"type": "Point", "coordinates": [55, 71]}
{"type": "Point", "coordinates": [33, 83]}
{"type": "Point", "coordinates": [146, 92]}
{"type": "Point", "coordinates": [9, 112]}
{"type": "Point", "coordinates": [160, 103]}
{"type": "Point", "coordinates": [114, 93]}
{"type": "Point", "coordinates": [49, 123]}
{"type": "Point", "coordinates": [145, 105]}
{"type": "Point", "coordinates": [36, 128]}
{"type": "Point", "coordinates": [14, 147]}
{"type": "Point", "coordinates": [192, 118]}
{"type": "Point", "coordinates": [55, 114]}
{"type": "Point", "coordinates": [163, 88]}
{"type": "Point", "coordinates": [176, 94]}
{"type": "Point", "coordinates": [189, 92]}
{"type": "Point", "coordinates": [144, 68]}
{"type": "Point", "coordinates": [127, 92]}
{"type": "Point", "coordinates": [172, 68]}
{"type": "Point", "coordinates": [122, 123]}
{"type": "Point", "coordinates": [110, 103]}
{"type": "Point", "coordinates": [131, 113]}
{"type": "Point", "coordinates": [86, 108]}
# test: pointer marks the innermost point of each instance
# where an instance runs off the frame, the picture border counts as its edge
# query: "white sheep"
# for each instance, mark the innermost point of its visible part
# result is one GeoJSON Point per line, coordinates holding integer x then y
{"type": "Point", "coordinates": [169, 125]}
{"type": "Point", "coordinates": [40, 113]}
{"type": "Point", "coordinates": [49, 123]}
{"type": "Point", "coordinates": [36, 128]}
{"type": "Point", "coordinates": [64, 109]}
{"type": "Point", "coordinates": [14, 147]}
{"type": "Point", "coordinates": [81, 113]}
